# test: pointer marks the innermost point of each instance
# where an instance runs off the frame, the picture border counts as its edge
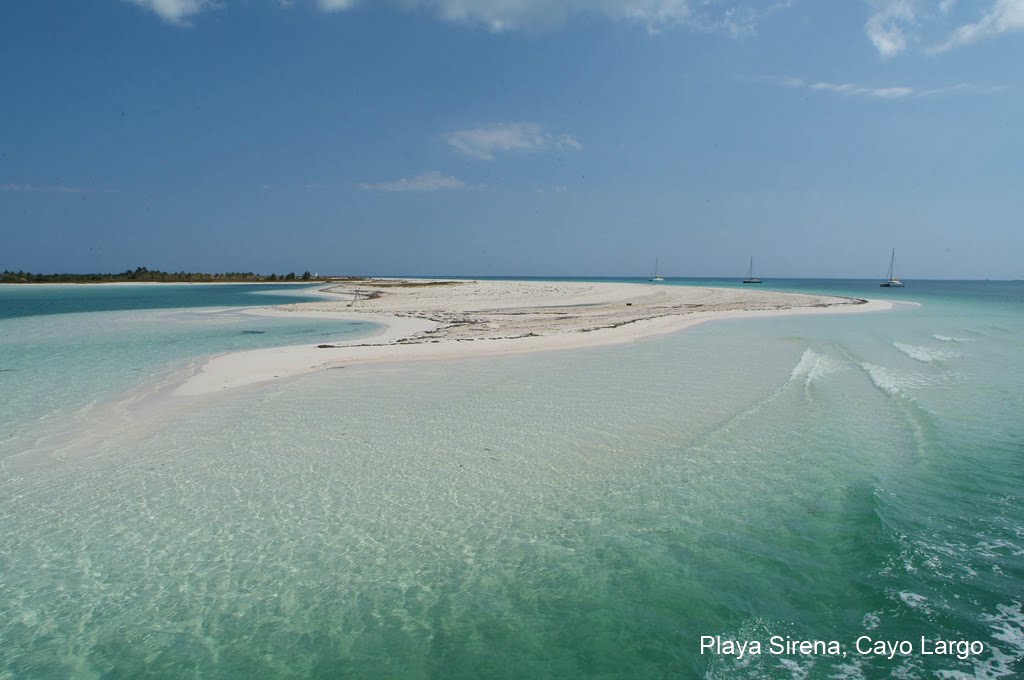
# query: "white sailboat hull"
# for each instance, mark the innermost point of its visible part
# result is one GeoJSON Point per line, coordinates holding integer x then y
{"type": "Point", "coordinates": [655, 277]}
{"type": "Point", "coordinates": [750, 274]}
{"type": "Point", "coordinates": [892, 281]}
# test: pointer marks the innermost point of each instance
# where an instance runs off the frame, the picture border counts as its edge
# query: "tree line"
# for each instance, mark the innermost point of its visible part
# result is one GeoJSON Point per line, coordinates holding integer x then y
{"type": "Point", "coordinates": [145, 274]}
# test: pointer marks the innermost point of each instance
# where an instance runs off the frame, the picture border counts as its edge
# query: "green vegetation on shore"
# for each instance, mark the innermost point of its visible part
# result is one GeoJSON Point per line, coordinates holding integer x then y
{"type": "Point", "coordinates": [155, 275]}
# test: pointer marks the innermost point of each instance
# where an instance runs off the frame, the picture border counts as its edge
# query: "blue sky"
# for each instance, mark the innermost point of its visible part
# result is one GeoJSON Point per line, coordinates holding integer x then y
{"type": "Point", "coordinates": [504, 137]}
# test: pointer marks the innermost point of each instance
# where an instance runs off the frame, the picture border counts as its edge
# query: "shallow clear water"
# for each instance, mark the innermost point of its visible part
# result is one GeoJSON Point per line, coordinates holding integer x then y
{"type": "Point", "coordinates": [116, 344]}
{"type": "Point", "coordinates": [36, 300]}
{"type": "Point", "coordinates": [574, 514]}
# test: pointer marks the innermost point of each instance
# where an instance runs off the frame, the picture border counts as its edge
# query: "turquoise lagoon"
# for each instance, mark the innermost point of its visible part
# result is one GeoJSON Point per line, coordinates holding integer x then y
{"type": "Point", "coordinates": [67, 350]}
{"type": "Point", "coordinates": [569, 514]}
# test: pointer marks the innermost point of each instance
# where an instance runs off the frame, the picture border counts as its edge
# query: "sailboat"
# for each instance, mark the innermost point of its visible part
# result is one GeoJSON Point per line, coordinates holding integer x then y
{"type": "Point", "coordinates": [750, 274]}
{"type": "Point", "coordinates": [654, 276]}
{"type": "Point", "coordinates": [892, 282]}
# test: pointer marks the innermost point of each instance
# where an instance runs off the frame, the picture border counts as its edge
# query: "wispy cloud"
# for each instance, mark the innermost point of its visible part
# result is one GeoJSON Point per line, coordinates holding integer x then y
{"type": "Point", "coordinates": [336, 5]}
{"type": "Point", "coordinates": [1003, 17]}
{"type": "Point", "coordinates": [174, 11]}
{"type": "Point", "coordinates": [427, 181]}
{"type": "Point", "coordinates": [485, 142]}
{"type": "Point", "coordinates": [732, 17]}
{"type": "Point", "coordinates": [888, 92]}
{"type": "Point", "coordinates": [40, 189]}
{"type": "Point", "coordinates": [501, 16]}
{"type": "Point", "coordinates": [850, 89]}
{"type": "Point", "coordinates": [894, 26]}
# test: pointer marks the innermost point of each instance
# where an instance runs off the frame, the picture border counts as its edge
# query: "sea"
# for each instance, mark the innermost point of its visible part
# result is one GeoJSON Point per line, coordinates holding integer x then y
{"type": "Point", "coordinates": [633, 511]}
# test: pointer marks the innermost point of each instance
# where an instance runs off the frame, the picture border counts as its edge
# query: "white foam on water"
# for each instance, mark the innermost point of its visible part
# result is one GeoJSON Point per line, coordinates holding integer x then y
{"type": "Point", "coordinates": [949, 338]}
{"type": "Point", "coordinates": [815, 366]}
{"type": "Point", "coordinates": [893, 382]}
{"type": "Point", "coordinates": [852, 670]}
{"type": "Point", "coordinates": [998, 665]}
{"type": "Point", "coordinates": [1008, 625]}
{"type": "Point", "coordinates": [924, 354]}
{"type": "Point", "coordinates": [884, 379]}
{"type": "Point", "coordinates": [797, 670]}
{"type": "Point", "coordinates": [913, 600]}
{"type": "Point", "coordinates": [996, 547]}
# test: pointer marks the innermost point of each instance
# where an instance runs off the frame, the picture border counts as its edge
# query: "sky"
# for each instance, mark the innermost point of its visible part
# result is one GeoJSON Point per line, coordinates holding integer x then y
{"type": "Point", "coordinates": [514, 137]}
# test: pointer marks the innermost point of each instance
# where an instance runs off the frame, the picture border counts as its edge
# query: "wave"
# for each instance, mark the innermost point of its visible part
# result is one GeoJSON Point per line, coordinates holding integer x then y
{"type": "Point", "coordinates": [1007, 627]}
{"type": "Point", "coordinates": [949, 338]}
{"type": "Point", "coordinates": [893, 382]}
{"type": "Point", "coordinates": [924, 354]}
{"type": "Point", "coordinates": [913, 600]}
{"type": "Point", "coordinates": [814, 366]}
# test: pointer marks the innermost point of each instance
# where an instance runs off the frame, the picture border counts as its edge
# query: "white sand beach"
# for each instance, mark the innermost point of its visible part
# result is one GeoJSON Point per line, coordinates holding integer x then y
{"type": "Point", "coordinates": [434, 319]}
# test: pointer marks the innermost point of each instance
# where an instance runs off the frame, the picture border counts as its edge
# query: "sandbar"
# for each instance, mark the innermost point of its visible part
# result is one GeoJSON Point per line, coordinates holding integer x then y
{"type": "Point", "coordinates": [450, 319]}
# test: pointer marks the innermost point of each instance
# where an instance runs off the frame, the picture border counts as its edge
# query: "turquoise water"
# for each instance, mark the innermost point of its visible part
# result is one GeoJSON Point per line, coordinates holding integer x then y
{"type": "Point", "coordinates": [573, 514]}
{"type": "Point", "coordinates": [37, 300]}
{"type": "Point", "coordinates": [101, 345]}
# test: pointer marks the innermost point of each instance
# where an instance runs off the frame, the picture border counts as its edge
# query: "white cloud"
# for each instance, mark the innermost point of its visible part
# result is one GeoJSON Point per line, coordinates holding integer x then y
{"type": "Point", "coordinates": [40, 189]}
{"type": "Point", "coordinates": [537, 15]}
{"type": "Point", "coordinates": [336, 5]}
{"type": "Point", "coordinates": [485, 142]}
{"type": "Point", "coordinates": [848, 89]}
{"type": "Point", "coordinates": [894, 25]}
{"type": "Point", "coordinates": [1003, 17]}
{"type": "Point", "coordinates": [887, 28]}
{"type": "Point", "coordinates": [174, 11]}
{"type": "Point", "coordinates": [890, 92]}
{"type": "Point", "coordinates": [733, 17]}
{"type": "Point", "coordinates": [427, 181]}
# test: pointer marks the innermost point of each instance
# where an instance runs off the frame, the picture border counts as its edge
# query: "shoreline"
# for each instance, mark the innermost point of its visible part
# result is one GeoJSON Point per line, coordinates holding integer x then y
{"type": "Point", "coordinates": [454, 319]}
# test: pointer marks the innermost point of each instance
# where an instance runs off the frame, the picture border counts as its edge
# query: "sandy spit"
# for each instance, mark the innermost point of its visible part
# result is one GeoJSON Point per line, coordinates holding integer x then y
{"type": "Point", "coordinates": [431, 319]}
